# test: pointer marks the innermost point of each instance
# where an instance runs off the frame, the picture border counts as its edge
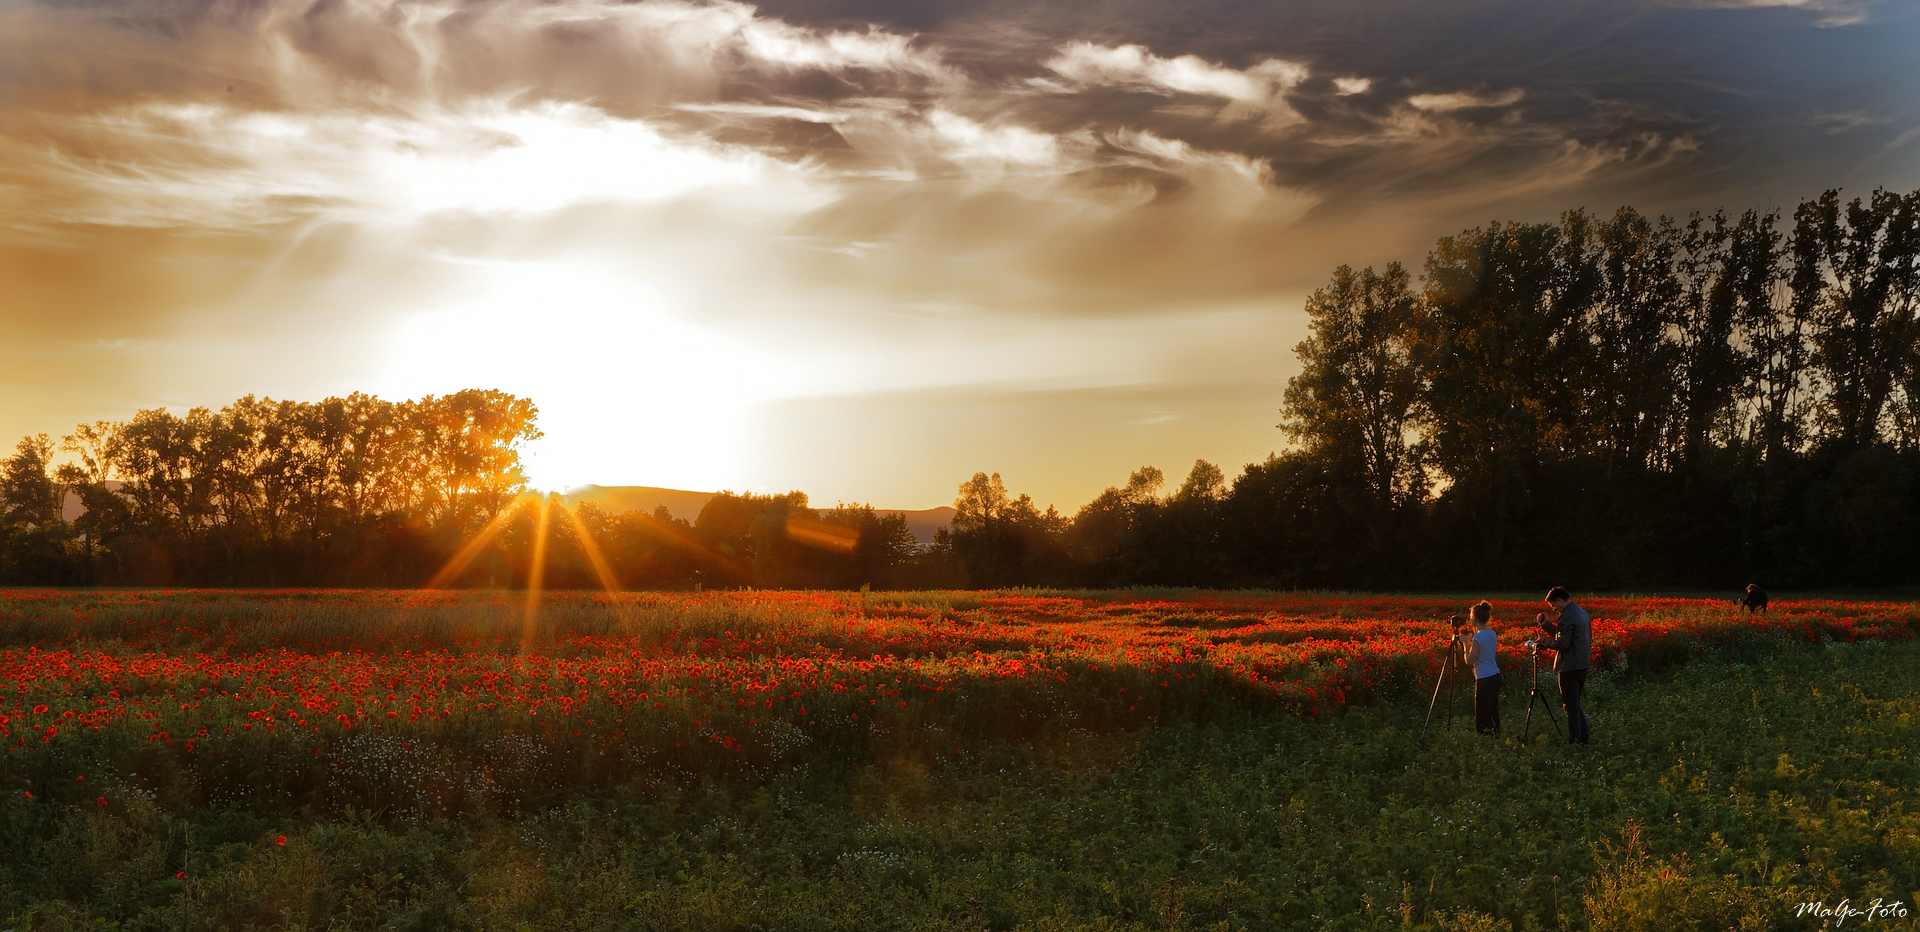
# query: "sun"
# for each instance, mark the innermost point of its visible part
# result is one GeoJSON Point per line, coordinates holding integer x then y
{"type": "Point", "coordinates": [630, 390]}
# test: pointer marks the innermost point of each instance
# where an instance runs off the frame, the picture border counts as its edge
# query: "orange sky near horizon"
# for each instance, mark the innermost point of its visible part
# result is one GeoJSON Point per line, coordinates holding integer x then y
{"type": "Point", "coordinates": [861, 250]}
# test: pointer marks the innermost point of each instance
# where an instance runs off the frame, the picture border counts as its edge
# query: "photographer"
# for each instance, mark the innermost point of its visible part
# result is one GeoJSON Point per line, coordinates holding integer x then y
{"type": "Point", "coordinates": [1570, 637]}
{"type": "Point", "coordinates": [1477, 648]}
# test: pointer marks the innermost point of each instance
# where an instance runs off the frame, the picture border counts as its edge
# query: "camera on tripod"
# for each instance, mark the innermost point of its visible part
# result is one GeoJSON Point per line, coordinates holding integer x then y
{"type": "Point", "coordinates": [1548, 627]}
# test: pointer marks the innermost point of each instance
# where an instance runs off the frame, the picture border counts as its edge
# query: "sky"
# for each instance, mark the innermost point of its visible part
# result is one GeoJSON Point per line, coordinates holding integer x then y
{"type": "Point", "coordinates": [858, 248]}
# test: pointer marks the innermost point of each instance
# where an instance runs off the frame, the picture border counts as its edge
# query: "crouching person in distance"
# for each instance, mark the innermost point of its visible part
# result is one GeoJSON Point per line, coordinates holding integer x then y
{"type": "Point", "coordinates": [1571, 640]}
{"type": "Point", "coordinates": [1756, 599]}
{"type": "Point", "coordinates": [1479, 652]}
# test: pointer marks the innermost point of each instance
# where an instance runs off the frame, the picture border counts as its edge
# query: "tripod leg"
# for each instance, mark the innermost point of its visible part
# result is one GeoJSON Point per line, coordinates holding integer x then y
{"type": "Point", "coordinates": [1441, 681]}
{"type": "Point", "coordinates": [1533, 689]}
{"type": "Point", "coordinates": [1463, 689]}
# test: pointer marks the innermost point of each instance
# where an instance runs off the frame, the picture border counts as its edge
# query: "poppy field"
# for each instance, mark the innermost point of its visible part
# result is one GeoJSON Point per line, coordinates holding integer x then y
{"type": "Point", "coordinates": [269, 722]}
{"type": "Point", "coordinates": [437, 703]}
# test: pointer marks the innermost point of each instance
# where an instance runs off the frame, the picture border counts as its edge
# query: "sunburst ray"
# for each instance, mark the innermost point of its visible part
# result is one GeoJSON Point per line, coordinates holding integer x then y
{"type": "Point", "coordinates": [536, 570]}
{"type": "Point", "coordinates": [598, 560]}
{"type": "Point", "coordinates": [477, 543]}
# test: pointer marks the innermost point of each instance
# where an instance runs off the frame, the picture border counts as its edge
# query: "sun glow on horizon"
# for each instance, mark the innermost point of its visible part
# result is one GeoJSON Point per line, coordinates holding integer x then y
{"type": "Point", "coordinates": [629, 391]}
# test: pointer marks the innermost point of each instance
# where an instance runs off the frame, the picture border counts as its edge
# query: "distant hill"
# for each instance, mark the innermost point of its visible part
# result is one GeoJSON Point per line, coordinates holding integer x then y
{"type": "Point", "coordinates": [614, 499]}
{"type": "Point", "coordinates": [683, 504]}
{"type": "Point", "coordinates": [925, 521]}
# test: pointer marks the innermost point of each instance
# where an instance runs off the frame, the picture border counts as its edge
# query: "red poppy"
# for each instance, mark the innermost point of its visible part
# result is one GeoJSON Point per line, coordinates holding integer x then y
{"type": "Point", "coordinates": [1308, 653]}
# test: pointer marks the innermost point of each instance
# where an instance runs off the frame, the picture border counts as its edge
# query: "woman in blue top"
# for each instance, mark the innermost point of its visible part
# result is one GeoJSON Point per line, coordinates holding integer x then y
{"type": "Point", "coordinates": [1479, 652]}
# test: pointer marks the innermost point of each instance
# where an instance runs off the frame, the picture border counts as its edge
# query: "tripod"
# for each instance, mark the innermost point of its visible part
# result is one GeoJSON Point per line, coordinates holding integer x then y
{"type": "Point", "coordinates": [1533, 697]}
{"type": "Point", "coordinates": [1449, 658]}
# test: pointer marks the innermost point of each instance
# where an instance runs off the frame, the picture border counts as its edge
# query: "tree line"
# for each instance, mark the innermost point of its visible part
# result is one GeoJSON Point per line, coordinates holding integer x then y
{"type": "Point", "coordinates": [1621, 401]}
{"type": "Point", "coordinates": [361, 491]}
{"type": "Point", "coordinates": [348, 490]}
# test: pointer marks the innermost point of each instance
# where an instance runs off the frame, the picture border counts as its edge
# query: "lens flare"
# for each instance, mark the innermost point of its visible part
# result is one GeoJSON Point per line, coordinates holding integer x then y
{"type": "Point", "coordinates": [821, 535]}
{"type": "Point", "coordinates": [478, 543]}
{"type": "Point", "coordinates": [537, 569]}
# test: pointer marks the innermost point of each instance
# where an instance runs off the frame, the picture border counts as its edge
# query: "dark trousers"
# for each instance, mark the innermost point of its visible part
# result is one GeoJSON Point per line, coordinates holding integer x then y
{"type": "Point", "coordinates": [1572, 684]}
{"type": "Point", "coordinates": [1486, 705]}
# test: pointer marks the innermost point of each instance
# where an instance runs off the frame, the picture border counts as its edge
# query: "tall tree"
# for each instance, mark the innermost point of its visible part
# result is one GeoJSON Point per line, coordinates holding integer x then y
{"type": "Point", "coordinates": [1354, 402]}
{"type": "Point", "coordinates": [1185, 532]}
{"type": "Point", "coordinates": [1002, 540]}
{"type": "Point", "coordinates": [1502, 351]}
{"type": "Point", "coordinates": [1629, 379]}
{"type": "Point", "coordinates": [471, 442]}
{"type": "Point", "coordinates": [89, 476]}
{"type": "Point", "coordinates": [35, 541]}
{"type": "Point", "coordinates": [1774, 331]}
{"type": "Point", "coordinates": [260, 457]}
{"type": "Point", "coordinates": [29, 496]}
{"type": "Point", "coordinates": [1712, 367]}
{"type": "Point", "coordinates": [168, 477]}
{"type": "Point", "coordinates": [1102, 527]}
{"type": "Point", "coordinates": [1858, 267]}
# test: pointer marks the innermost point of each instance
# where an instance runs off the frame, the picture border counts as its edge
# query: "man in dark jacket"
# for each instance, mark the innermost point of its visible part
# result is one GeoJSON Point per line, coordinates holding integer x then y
{"type": "Point", "coordinates": [1571, 640]}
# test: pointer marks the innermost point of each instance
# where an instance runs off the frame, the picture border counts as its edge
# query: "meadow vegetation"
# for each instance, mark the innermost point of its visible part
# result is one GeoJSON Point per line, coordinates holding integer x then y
{"type": "Point", "coordinates": [930, 760]}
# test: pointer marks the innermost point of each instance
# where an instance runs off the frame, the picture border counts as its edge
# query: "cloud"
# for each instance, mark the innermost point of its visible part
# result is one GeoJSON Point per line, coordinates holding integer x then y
{"type": "Point", "coordinates": [768, 112]}
{"type": "Point", "coordinates": [1132, 65]}
{"type": "Point", "coordinates": [1241, 180]}
{"type": "Point", "coordinates": [1462, 101]}
{"type": "Point", "coordinates": [1262, 87]}
{"type": "Point", "coordinates": [218, 166]}
{"type": "Point", "coordinates": [779, 43]}
{"type": "Point", "coordinates": [972, 143]}
{"type": "Point", "coordinates": [1831, 12]}
{"type": "Point", "coordinates": [1891, 146]}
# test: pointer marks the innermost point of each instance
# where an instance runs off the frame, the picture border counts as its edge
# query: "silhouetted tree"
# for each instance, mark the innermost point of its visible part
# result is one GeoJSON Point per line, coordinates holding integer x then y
{"type": "Point", "coordinates": [34, 538]}
{"type": "Point", "coordinates": [89, 477]}
{"type": "Point", "coordinates": [1858, 272]}
{"type": "Point", "coordinates": [1501, 355]}
{"type": "Point", "coordinates": [1005, 541]}
{"type": "Point", "coordinates": [1103, 530]}
{"type": "Point", "coordinates": [1777, 388]}
{"type": "Point", "coordinates": [1357, 397]}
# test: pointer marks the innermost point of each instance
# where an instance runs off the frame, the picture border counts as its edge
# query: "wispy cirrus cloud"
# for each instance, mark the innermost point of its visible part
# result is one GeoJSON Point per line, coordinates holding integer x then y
{"type": "Point", "coordinates": [1828, 13]}
{"type": "Point", "coordinates": [227, 168]}
{"type": "Point", "coordinates": [1461, 101]}
{"type": "Point", "coordinates": [1259, 88]}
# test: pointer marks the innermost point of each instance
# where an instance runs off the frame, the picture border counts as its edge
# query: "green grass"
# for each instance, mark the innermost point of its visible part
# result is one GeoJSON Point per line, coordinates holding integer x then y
{"type": "Point", "coordinates": [1717, 795]}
